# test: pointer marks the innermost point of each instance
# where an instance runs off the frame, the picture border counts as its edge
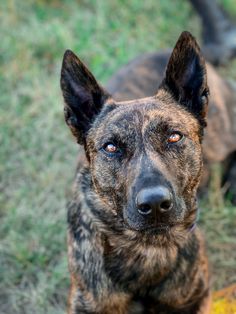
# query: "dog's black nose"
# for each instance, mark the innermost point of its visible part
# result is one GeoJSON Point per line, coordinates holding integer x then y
{"type": "Point", "coordinates": [156, 200]}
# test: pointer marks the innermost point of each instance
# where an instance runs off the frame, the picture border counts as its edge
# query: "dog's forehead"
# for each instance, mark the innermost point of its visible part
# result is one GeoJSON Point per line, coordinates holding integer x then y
{"type": "Point", "coordinates": [152, 110]}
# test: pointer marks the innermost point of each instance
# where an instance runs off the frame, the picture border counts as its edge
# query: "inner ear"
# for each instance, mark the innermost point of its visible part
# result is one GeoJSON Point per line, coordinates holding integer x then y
{"type": "Point", "coordinates": [186, 77]}
{"type": "Point", "coordinates": [83, 96]}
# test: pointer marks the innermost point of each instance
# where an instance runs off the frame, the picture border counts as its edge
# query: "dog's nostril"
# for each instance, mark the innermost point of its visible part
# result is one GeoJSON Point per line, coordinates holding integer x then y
{"type": "Point", "coordinates": [166, 205]}
{"type": "Point", "coordinates": [144, 209]}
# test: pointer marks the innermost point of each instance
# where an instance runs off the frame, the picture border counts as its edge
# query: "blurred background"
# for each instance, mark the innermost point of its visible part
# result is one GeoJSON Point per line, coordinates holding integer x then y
{"type": "Point", "coordinates": [37, 153]}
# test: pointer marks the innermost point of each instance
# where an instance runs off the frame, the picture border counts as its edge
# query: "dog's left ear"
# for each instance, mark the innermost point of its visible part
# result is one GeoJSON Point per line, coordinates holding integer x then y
{"type": "Point", "coordinates": [84, 97]}
{"type": "Point", "coordinates": [186, 76]}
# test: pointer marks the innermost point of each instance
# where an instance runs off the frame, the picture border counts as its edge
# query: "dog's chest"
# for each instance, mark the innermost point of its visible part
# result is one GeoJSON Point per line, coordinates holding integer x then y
{"type": "Point", "coordinates": [136, 268]}
{"type": "Point", "coordinates": [151, 277]}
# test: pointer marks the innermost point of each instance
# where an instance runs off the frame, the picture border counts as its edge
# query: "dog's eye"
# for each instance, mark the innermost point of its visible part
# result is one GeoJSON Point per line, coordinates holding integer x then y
{"type": "Point", "coordinates": [174, 137]}
{"type": "Point", "coordinates": [110, 148]}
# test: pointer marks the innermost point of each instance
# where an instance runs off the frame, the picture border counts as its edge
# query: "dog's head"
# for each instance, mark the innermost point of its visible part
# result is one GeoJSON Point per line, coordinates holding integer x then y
{"type": "Point", "coordinates": [144, 155]}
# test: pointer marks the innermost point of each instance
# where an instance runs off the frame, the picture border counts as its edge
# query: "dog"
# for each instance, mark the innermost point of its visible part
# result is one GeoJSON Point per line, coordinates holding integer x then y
{"type": "Point", "coordinates": [133, 244]}
{"type": "Point", "coordinates": [140, 78]}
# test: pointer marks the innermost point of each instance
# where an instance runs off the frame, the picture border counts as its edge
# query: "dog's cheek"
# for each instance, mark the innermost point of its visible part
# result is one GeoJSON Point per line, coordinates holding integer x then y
{"type": "Point", "coordinates": [104, 174]}
{"type": "Point", "coordinates": [193, 168]}
{"type": "Point", "coordinates": [108, 178]}
{"type": "Point", "coordinates": [188, 164]}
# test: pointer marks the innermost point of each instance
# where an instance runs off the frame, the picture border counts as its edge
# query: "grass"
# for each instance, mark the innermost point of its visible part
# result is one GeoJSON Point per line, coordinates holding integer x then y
{"type": "Point", "coordinates": [37, 153]}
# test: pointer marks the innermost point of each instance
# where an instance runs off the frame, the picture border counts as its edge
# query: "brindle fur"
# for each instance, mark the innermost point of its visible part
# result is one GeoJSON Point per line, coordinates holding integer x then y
{"type": "Point", "coordinates": [119, 262]}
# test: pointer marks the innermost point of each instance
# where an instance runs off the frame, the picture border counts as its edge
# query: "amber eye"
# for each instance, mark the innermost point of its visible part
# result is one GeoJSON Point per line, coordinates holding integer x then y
{"type": "Point", "coordinates": [110, 148]}
{"type": "Point", "coordinates": [175, 137]}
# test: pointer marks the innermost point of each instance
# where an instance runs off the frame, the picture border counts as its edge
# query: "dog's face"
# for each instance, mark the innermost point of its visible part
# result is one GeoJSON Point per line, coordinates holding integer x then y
{"type": "Point", "coordinates": [144, 155]}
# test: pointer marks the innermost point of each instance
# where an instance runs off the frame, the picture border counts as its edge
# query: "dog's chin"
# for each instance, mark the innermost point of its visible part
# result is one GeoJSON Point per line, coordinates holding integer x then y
{"type": "Point", "coordinates": [159, 228]}
{"type": "Point", "coordinates": [161, 235]}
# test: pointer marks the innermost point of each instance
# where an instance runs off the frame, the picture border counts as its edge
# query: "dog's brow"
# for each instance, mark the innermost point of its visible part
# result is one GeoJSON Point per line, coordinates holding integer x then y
{"type": "Point", "coordinates": [123, 114]}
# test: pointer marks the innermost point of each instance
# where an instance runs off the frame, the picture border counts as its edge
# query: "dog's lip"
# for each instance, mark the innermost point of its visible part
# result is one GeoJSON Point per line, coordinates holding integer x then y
{"type": "Point", "coordinates": [157, 228]}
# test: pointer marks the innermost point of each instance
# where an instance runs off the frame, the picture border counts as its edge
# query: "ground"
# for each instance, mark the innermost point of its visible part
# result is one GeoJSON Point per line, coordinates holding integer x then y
{"type": "Point", "coordinates": [37, 152]}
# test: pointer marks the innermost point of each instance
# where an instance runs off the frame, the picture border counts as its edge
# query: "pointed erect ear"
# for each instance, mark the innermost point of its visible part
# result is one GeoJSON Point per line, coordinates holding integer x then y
{"type": "Point", "coordinates": [186, 77]}
{"type": "Point", "coordinates": [83, 96]}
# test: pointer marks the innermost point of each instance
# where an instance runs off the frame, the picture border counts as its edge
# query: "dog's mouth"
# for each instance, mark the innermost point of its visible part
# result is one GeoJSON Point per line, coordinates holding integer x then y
{"type": "Point", "coordinates": [159, 228]}
{"type": "Point", "coordinates": [162, 229]}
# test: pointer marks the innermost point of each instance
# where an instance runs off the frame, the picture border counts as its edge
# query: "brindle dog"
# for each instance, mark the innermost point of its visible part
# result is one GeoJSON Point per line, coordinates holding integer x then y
{"type": "Point", "coordinates": [132, 242]}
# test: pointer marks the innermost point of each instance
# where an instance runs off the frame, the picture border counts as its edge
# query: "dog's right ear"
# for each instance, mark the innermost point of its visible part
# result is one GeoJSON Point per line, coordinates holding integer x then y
{"type": "Point", "coordinates": [82, 94]}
